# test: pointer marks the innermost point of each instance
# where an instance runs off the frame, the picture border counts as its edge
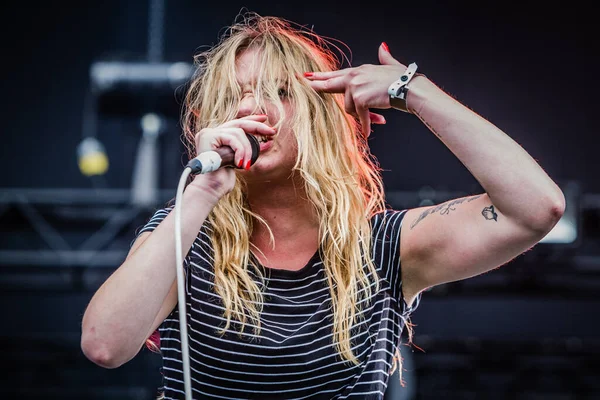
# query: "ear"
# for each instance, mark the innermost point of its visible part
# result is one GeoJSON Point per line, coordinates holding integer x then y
{"type": "Point", "coordinates": [385, 58]}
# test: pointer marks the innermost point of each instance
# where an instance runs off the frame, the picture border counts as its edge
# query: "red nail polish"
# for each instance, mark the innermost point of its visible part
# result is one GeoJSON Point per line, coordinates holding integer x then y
{"type": "Point", "coordinates": [308, 74]}
{"type": "Point", "coordinates": [248, 165]}
{"type": "Point", "coordinates": [385, 46]}
{"type": "Point", "coordinates": [241, 163]}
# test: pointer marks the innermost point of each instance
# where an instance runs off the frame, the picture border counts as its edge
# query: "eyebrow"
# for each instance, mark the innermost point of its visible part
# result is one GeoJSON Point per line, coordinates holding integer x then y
{"type": "Point", "coordinates": [282, 81]}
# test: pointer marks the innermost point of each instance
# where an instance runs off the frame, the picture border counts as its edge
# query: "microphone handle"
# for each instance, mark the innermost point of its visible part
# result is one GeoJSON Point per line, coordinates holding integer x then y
{"type": "Point", "coordinates": [223, 156]}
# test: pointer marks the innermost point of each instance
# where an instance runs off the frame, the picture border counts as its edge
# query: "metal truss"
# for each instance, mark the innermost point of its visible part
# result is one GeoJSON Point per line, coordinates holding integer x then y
{"type": "Point", "coordinates": [106, 213]}
{"type": "Point", "coordinates": [42, 218]}
{"type": "Point", "coordinates": [94, 228]}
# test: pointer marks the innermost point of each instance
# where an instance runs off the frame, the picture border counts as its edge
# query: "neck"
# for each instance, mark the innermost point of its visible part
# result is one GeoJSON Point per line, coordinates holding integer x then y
{"type": "Point", "coordinates": [284, 206]}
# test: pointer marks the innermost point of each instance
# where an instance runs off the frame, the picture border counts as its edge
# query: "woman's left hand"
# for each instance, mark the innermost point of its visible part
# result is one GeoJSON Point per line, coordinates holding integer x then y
{"type": "Point", "coordinates": [364, 87]}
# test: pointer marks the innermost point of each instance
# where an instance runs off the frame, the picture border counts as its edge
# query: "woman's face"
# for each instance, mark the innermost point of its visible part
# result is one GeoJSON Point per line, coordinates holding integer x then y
{"type": "Point", "coordinates": [277, 156]}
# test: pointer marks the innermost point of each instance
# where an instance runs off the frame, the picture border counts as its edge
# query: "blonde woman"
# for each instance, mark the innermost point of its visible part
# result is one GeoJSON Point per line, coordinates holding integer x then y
{"type": "Point", "coordinates": [299, 279]}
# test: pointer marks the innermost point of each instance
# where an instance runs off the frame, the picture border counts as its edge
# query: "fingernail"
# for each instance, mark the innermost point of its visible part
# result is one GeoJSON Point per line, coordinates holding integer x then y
{"type": "Point", "coordinates": [248, 165]}
{"type": "Point", "coordinates": [241, 163]}
{"type": "Point", "coordinates": [385, 46]}
{"type": "Point", "coordinates": [308, 74]}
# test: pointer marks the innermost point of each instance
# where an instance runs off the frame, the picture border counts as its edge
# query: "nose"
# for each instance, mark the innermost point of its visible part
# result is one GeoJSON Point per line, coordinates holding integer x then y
{"type": "Point", "coordinates": [247, 106]}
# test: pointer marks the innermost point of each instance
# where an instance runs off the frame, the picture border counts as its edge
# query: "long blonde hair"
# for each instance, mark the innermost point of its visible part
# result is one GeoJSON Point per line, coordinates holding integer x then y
{"type": "Point", "coordinates": [341, 178]}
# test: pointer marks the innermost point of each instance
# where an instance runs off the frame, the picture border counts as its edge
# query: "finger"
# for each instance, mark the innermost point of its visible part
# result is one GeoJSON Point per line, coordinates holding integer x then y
{"type": "Point", "coordinates": [212, 139]}
{"type": "Point", "coordinates": [197, 136]}
{"type": "Point", "coordinates": [236, 139]}
{"type": "Point", "coordinates": [377, 119]}
{"type": "Point", "coordinates": [385, 57]}
{"type": "Point", "coordinates": [333, 85]}
{"type": "Point", "coordinates": [349, 105]}
{"type": "Point", "coordinates": [319, 76]}
{"type": "Point", "coordinates": [251, 127]}
{"type": "Point", "coordinates": [255, 117]}
{"type": "Point", "coordinates": [365, 120]}
{"type": "Point", "coordinates": [244, 154]}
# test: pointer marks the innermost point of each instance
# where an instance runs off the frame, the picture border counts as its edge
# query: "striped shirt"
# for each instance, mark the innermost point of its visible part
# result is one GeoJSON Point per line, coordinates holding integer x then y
{"type": "Point", "coordinates": [294, 356]}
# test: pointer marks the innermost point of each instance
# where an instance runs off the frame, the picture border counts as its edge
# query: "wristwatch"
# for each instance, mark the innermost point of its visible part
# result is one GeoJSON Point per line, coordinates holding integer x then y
{"type": "Point", "coordinates": [399, 89]}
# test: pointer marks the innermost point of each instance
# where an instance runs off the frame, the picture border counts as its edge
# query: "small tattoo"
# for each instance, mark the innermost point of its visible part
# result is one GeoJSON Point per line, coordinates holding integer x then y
{"type": "Point", "coordinates": [427, 124]}
{"type": "Point", "coordinates": [443, 208]}
{"type": "Point", "coordinates": [489, 213]}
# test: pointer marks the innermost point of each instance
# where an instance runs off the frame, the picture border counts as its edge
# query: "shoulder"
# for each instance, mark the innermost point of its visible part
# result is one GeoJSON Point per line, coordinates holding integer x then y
{"type": "Point", "coordinates": [388, 221]}
{"type": "Point", "coordinates": [385, 235]}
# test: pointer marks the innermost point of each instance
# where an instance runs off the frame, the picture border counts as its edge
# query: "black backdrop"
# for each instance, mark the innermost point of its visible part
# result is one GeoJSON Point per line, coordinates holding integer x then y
{"type": "Point", "coordinates": [531, 70]}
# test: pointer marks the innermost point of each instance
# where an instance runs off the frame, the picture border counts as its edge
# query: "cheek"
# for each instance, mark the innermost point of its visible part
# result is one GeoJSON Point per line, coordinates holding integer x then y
{"type": "Point", "coordinates": [287, 120]}
{"type": "Point", "coordinates": [283, 121]}
{"type": "Point", "coordinates": [272, 114]}
{"type": "Point", "coordinates": [275, 116]}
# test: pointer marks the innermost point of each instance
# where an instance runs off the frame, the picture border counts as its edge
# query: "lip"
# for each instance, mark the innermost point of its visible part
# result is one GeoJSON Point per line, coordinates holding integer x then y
{"type": "Point", "coordinates": [264, 146]}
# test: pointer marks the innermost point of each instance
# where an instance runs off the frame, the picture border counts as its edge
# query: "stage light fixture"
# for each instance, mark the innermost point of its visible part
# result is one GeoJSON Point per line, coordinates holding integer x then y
{"type": "Point", "coordinates": [92, 158]}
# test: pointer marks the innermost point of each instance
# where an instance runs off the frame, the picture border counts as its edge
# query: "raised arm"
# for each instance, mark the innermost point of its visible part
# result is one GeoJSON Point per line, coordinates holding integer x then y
{"type": "Point", "coordinates": [468, 236]}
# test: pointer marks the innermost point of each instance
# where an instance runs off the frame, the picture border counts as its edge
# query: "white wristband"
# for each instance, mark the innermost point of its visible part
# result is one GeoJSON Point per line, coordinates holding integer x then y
{"type": "Point", "coordinates": [399, 89]}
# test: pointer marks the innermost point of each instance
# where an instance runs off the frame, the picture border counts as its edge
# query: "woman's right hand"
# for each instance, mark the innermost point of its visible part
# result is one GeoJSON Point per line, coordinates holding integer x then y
{"type": "Point", "coordinates": [232, 134]}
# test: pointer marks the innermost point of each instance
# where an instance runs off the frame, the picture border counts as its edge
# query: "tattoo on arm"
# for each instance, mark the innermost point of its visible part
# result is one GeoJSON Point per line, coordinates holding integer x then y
{"type": "Point", "coordinates": [416, 112]}
{"type": "Point", "coordinates": [443, 208]}
{"type": "Point", "coordinates": [489, 213]}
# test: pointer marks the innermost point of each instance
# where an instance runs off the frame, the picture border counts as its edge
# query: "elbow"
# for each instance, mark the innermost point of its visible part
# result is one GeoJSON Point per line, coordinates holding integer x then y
{"type": "Point", "coordinates": [549, 215]}
{"type": "Point", "coordinates": [556, 210]}
{"type": "Point", "coordinates": [99, 352]}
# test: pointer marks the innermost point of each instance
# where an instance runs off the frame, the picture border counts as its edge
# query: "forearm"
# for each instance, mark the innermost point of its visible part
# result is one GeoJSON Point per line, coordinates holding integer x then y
{"type": "Point", "coordinates": [121, 313]}
{"type": "Point", "coordinates": [516, 184]}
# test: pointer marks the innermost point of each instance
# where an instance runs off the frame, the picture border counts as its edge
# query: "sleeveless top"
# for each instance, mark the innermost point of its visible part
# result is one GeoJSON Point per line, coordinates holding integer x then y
{"type": "Point", "coordinates": [294, 356]}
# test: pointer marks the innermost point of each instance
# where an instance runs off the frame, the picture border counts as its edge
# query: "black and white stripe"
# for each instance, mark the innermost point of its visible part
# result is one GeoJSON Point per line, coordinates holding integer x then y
{"type": "Point", "coordinates": [293, 357]}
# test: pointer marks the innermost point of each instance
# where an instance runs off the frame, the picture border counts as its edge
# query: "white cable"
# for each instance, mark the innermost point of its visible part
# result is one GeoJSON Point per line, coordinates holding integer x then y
{"type": "Point", "coordinates": [185, 358]}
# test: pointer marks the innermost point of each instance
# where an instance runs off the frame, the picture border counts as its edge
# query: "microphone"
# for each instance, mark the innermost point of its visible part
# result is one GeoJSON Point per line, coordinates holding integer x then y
{"type": "Point", "coordinates": [212, 160]}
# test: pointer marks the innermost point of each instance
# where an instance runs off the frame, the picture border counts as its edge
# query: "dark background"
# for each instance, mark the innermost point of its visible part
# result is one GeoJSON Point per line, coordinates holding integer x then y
{"type": "Point", "coordinates": [525, 331]}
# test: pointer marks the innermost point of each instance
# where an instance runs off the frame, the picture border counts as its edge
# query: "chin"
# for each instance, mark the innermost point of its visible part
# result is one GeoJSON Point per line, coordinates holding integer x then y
{"type": "Point", "coordinates": [268, 169]}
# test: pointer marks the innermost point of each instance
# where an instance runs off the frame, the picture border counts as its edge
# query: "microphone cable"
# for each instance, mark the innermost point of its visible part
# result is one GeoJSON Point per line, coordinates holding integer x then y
{"type": "Point", "coordinates": [181, 302]}
{"type": "Point", "coordinates": [224, 157]}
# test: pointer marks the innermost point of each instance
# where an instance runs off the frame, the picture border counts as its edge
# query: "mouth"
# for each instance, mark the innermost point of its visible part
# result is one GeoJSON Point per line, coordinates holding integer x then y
{"type": "Point", "coordinates": [265, 145]}
{"type": "Point", "coordinates": [263, 139]}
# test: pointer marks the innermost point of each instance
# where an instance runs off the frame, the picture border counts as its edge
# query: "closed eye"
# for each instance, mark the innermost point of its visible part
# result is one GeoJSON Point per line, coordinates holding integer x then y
{"type": "Point", "coordinates": [282, 93]}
